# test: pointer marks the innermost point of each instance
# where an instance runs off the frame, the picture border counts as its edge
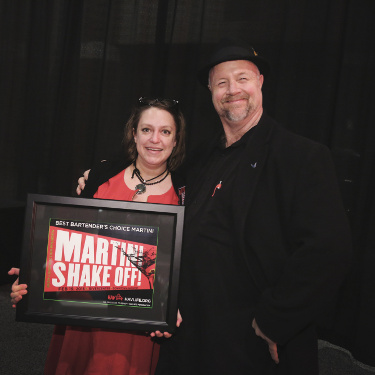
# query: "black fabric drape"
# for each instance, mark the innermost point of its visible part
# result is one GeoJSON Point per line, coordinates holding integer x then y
{"type": "Point", "coordinates": [71, 70]}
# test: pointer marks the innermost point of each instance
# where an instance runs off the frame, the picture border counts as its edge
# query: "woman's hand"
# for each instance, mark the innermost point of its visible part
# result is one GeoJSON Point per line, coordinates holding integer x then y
{"type": "Point", "coordinates": [167, 335]}
{"type": "Point", "coordinates": [18, 290]}
{"type": "Point", "coordinates": [82, 182]}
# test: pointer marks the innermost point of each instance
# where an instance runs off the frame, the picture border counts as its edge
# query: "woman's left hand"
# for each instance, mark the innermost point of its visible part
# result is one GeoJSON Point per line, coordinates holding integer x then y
{"type": "Point", "coordinates": [167, 335]}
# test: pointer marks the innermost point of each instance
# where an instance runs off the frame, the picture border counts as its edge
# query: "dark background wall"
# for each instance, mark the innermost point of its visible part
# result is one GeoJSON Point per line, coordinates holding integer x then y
{"type": "Point", "coordinates": [70, 70]}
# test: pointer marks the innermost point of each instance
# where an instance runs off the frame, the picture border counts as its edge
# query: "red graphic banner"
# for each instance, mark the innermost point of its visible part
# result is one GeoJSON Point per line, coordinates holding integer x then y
{"type": "Point", "coordinates": [101, 257]}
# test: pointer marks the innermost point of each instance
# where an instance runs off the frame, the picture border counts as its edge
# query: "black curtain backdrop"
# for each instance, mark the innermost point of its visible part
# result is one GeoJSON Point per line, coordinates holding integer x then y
{"type": "Point", "coordinates": [70, 70]}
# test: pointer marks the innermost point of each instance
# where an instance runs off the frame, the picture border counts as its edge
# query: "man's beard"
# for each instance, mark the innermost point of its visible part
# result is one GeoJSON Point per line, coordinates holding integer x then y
{"type": "Point", "coordinates": [233, 115]}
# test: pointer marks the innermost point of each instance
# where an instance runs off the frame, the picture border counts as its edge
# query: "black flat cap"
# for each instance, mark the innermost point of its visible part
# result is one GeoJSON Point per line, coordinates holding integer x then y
{"type": "Point", "coordinates": [229, 50]}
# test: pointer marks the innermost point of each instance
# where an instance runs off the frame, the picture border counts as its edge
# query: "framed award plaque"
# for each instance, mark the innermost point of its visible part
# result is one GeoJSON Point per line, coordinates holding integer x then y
{"type": "Point", "coordinates": [101, 263]}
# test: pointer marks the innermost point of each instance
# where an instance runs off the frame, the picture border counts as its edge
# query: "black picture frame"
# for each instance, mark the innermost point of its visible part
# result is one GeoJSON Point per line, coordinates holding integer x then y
{"type": "Point", "coordinates": [93, 253]}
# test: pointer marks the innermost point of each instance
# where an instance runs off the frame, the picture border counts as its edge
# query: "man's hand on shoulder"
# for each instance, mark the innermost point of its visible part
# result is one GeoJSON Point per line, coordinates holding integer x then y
{"type": "Point", "coordinates": [82, 182]}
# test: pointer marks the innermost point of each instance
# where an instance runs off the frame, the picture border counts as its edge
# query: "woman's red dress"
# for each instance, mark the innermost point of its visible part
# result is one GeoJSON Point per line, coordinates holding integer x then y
{"type": "Point", "coordinates": [96, 351]}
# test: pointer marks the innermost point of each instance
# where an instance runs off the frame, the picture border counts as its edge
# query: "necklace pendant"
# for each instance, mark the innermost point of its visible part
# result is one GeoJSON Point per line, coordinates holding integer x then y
{"type": "Point", "coordinates": [140, 188]}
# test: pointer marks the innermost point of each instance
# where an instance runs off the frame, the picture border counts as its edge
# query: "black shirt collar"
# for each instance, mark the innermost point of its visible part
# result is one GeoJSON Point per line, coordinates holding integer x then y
{"type": "Point", "coordinates": [220, 144]}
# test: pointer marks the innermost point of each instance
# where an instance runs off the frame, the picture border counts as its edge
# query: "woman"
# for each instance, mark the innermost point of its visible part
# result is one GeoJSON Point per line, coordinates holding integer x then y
{"type": "Point", "coordinates": [154, 139]}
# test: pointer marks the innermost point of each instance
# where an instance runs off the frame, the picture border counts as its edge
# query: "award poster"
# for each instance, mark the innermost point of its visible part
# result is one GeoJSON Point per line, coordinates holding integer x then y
{"type": "Point", "coordinates": [101, 263]}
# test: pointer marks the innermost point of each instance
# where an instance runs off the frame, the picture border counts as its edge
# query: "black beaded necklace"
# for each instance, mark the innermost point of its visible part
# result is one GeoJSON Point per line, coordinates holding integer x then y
{"type": "Point", "coordinates": [141, 188]}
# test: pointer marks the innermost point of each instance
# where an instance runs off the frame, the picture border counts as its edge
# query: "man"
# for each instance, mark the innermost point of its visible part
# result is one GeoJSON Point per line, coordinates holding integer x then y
{"type": "Point", "coordinates": [266, 240]}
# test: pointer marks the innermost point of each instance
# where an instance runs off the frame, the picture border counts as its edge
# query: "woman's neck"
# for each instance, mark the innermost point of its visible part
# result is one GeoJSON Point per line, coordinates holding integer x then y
{"type": "Point", "coordinates": [150, 171]}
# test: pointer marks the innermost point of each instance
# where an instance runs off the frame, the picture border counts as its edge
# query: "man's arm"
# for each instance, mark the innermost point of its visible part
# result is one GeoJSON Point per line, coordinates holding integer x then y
{"type": "Point", "coordinates": [317, 252]}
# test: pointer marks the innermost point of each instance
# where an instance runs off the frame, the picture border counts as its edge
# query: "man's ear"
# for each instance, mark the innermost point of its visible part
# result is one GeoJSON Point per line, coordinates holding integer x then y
{"type": "Point", "coordinates": [261, 80]}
